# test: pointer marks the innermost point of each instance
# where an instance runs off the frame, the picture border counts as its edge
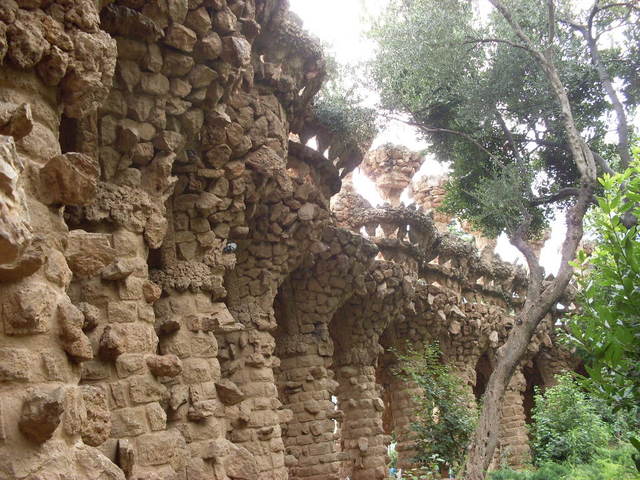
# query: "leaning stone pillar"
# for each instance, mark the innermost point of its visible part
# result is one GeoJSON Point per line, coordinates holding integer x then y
{"type": "Point", "coordinates": [513, 439]}
{"type": "Point", "coordinates": [282, 234]}
{"type": "Point", "coordinates": [305, 306]}
{"type": "Point", "coordinates": [403, 407]}
{"type": "Point", "coordinates": [356, 330]}
{"type": "Point", "coordinates": [47, 66]}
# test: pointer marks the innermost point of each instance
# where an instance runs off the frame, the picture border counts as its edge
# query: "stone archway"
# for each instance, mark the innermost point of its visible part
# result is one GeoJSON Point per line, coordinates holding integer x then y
{"type": "Point", "coordinates": [534, 380]}
{"type": "Point", "coordinates": [483, 371]}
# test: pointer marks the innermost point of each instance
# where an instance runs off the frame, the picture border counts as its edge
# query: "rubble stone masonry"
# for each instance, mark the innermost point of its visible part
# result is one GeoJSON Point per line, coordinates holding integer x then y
{"type": "Point", "coordinates": [178, 298]}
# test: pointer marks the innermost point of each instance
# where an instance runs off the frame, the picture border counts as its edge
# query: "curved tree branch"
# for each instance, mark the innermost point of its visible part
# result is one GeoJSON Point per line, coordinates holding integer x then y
{"type": "Point", "coordinates": [602, 163]}
{"type": "Point", "coordinates": [624, 146]}
{"type": "Point", "coordinates": [580, 153]}
{"type": "Point", "coordinates": [551, 8]}
{"type": "Point", "coordinates": [509, 135]}
{"type": "Point", "coordinates": [496, 40]}
{"type": "Point", "coordinates": [556, 197]}
{"type": "Point", "coordinates": [466, 136]}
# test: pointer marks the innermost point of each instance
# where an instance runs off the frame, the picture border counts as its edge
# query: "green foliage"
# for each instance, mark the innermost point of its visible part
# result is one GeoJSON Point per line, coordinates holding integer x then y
{"type": "Point", "coordinates": [454, 228]}
{"type": "Point", "coordinates": [444, 421]}
{"type": "Point", "coordinates": [606, 332]}
{"type": "Point", "coordinates": [550, 471]}
{"type": "Point", "coordinates": [575, 436]}
{"type": "Point", "coordinates": [487, 107]}
{"type": "Point", "coordinates": [339, 107]}
{"type": "Point", "coordinates": [607, 464]}
{"type": "Point", "coordinates": [566, 426]}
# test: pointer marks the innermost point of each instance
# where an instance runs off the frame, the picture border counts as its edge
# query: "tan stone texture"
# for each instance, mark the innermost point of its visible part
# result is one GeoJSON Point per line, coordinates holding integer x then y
{"type": "Point", "coordinates": [178, 298]}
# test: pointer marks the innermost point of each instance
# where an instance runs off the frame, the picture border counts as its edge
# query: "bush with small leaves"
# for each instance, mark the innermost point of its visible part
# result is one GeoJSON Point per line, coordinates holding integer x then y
{"type": "Point", "coordinates": [444, 420]}
{"type": "Point", "coordinates": [566, 426]}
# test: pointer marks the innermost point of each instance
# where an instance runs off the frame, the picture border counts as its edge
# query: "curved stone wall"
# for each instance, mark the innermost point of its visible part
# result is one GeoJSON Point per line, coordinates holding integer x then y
{"type": "Point", "coordinates": [178, 298]}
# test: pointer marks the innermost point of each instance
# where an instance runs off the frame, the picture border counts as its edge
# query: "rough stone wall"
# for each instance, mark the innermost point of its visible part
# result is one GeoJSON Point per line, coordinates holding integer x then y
{"type": "Point", "coordinates": [178, 300]}
{"type": "Point", "coordinates": [305, 306]}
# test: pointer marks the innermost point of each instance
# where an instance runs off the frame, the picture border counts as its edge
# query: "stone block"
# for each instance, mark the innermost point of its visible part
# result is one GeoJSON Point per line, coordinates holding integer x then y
{"type": "Point", "coordinates": [96, 428]}
{"type": "Point", "coordinates": [128, 422]}
{"type": "Point", "coordinates": [69, 179]}
{"type": "Point", "coordinates": [143, 389]}
{"type": "Point", "coordinates": [16, 365]}
{"type": "Point", "coordinates": [88, 253]}
{"type": "Point", "coordinates": [30, 309]}
{"type": "Point", "coordinates": [228, 392]}
{"type": "Point", "coordinates": [120, 338]}
{"type": "Point", "coordinates": [41, 415]}
{"type": "Point", "coordinates": [160, 447]}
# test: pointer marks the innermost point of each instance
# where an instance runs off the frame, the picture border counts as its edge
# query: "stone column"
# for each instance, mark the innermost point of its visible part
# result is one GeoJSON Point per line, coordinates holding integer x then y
{"type": "Point", "coordinates": [117, 298]}
{"type": "Point", "coordinates": [402, 405]}
{"type": "Point", "coordinates": [47, 65]}
{"type": "Point", "coordinates": [513, 447]}
{"type": "Point", "coordinates": [356, 329]}
{"type": "Point", "coordinates": [391, 167]}
{"type": "Point", "coordinates": [286, 217]}
{"type": "Point", "coordinates": [304, 307]}
{"type": "Point", "coordinates": [400, 395]}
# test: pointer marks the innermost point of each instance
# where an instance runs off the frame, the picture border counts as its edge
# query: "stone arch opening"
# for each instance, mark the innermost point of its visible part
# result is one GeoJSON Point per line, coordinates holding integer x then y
{"type": "Point", "coordinates": [534, 379]}
{"type": "Point", "coordinates": [386, 380]}
{"type": "Point", "coordinates": [68, 135]}
{"type": "Point", "coordinates": [483, 372]}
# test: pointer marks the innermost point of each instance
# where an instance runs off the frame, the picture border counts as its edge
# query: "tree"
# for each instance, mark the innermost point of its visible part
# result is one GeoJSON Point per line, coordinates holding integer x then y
{"type": "Point", "coordinates": [516, 104]}
{"type": "Point", "coordinates": [606, 329]}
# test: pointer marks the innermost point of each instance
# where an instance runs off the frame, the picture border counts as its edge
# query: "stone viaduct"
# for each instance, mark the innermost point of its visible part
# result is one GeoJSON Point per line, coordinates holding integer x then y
{"type": "Point", "coordinates": [188, 291]}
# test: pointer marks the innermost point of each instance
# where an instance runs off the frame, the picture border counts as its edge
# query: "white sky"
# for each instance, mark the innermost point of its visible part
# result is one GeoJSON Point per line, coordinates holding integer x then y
{"type": "Point", "coordinates": [340, 25]}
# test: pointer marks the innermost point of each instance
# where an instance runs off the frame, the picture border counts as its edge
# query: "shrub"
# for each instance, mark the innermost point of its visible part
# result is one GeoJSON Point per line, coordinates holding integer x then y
{"type": "Point", "coordinates": [340, 107]}
{"type": "Point", "coordinates": [508, 474]}
{"type": "Point", "coordinates": [444, 420]}
{"type": "Point", "coordinates": [607, 464]}
{"type": "Point", "coordinates": [550, 471]}
{"type": "Point", "coordinates": [345, 116]}
{"type": "Point", "coordinates": [566, 426]}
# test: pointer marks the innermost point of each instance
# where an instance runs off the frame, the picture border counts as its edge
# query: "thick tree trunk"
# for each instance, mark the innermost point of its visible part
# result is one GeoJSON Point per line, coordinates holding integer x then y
{"type": "Point", "coordinates": [538, 304]}
{"type": "Point", "coordinates": [540, 298]}
{"type": "Point", "coordinates": [486, 434]}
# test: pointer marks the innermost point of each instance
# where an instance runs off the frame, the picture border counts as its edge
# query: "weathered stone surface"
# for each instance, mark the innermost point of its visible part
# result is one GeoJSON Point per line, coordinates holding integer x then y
{"type": "Point", "coordinates": [122, 338]}
{"type": "Point", "coordinates": [88, 253]}
{"type": "Point", "coordinates": [30, 310]}
{"type": "Point", "coordinates": [72, 336]}
{"type": "Point", "coordinates": [69, 179]}
{"type": "Point", "coordinates": [228, 392]}
{"type": "Point", "coordinates": [236, 50]}
{"type": "Point", "coordinates": [164, 365]}
{"type": "Point", "coordinates": [97, 427]}
{"type": "Point", "coordinates": [158, 189]}
{"type": "Point", "coordinates": [239, 463]}
{"type": "Point", "coordinates": [126, 22]}
{"type": "Point", "coordinates": [40, 416]}
{"type": "Point", "coordinates": [181, 37]}
{"type": "Point", "coordinates": [15, 234]}
{"type": "Point", "coordinates": [16, 122]}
